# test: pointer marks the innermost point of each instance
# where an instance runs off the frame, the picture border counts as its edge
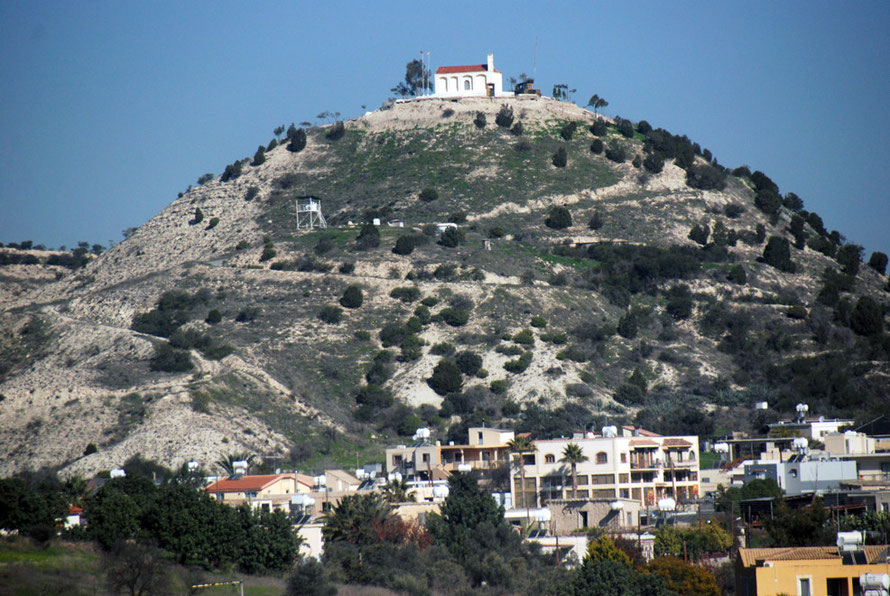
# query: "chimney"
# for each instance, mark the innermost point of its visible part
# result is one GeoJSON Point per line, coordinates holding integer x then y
{"type": "Point", "coordinates": [490, 62]}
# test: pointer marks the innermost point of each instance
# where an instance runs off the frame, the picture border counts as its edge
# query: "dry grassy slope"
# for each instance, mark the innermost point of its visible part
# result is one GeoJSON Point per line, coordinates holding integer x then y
{"type": "Point", "coordinates": [291, 374]}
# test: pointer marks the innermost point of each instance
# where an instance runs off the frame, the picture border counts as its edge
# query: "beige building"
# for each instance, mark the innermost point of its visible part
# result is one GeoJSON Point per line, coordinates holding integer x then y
{"type": "Point", "coordinates": [568, 516]}
{"type": "Point", "coordinates": [265, 491]}
{"type": "Point", "coordinates": [486, 449]}
{"type": "Point", "coordinates": [812, 570]}
{"type": "Point", "coordinates": [625, 463]}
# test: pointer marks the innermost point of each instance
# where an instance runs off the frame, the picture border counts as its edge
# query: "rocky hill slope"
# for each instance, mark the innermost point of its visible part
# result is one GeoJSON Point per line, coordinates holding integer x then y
{"type": "Point", "coordinates": [573, 291]}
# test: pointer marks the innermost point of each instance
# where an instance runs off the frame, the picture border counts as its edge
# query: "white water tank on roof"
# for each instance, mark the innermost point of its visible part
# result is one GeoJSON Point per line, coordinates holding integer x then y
{"type": "Point", "coordinates": [421, 433]}
{"type": "Point", "coordinates": [875, 581]}
{"type": "Point", "coordinates": [616, 505]}
{"type": "Point", "coordinates": [721, 447]}
{"type": "Point", "coordinates": [849, 540]}
{"type": "Point", "coordinates": [464, 468]}
{"type": "Point", "coordinates": [541, 515]}
{"type": "Point", "coordinates": [192, 466]}
{"type": "Point", "coordinates": [667, 504]}
{"type": "Point", "coordinates": [117, 473]}
{"type": "Point", "coordinates": [610, 432]}
{"type": "Point", "coordinates": [440, 492]}
{"type": "Point", "coordinates": [394, 476]}
{"type": "Point", "coordinates": [800, 443]}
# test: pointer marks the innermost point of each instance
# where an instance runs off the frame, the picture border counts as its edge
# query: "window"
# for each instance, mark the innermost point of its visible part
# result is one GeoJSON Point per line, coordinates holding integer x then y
{"type": "Point", "coordinates": [624, 458]}
{"type": "Point", "coordinates": [623, 478]}
{"type": "Point", "coordinates": [396, 460]}
{"type": "Point", "coordinates": [549, 458]}
{"type": "Point", "coordinates": [468, 85]}
{"type": "Point", "coordinates": [426, 458]}
{"type": "Point", "coordinates": [582, 479]}
{"type": "Point", "coordinates": [602, 479]}
{"type": "Point", "coordinates": [793, 472]}
{"type": "Point", "coordinates": [692, 456]}
{"type": "Point", "coordinates": [803, 586]}
{"type": "Point", "coordinates": [602, 458]}
{"type": "Point", "coordinates": [480, 437]}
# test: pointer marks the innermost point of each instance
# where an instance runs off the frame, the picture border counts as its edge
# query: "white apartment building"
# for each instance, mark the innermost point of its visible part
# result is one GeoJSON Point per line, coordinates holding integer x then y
{"type": "Point", "coordinates": [622, 463]}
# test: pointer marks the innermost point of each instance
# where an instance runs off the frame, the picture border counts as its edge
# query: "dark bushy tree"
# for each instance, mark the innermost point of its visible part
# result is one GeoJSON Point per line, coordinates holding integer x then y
{"type": "Point", "coordinates": [560, 158]}
{"type": "Point", "coordinates": [428, 194]}
{"type": "Point", "coordinates": [451, 237]}
{"type": "Point", "coordinates": [446, 378]}
{"type": "Point", "coordinates": [368, 237]}
{"type": "Point", "coordinates": [297, 140]}
{"type": "Point", "coordinates": [767, 201]}
{"type": "Point", "coordinates": [596, 220]}
{"type": "Point", "coordinates": [705, 177]}
{"type": "Point", "coordinates": [352, 297]}
{"type": "Point", "coordinates": [405, 245]}
{"type": "Point", "coordinates": [878, 262]}
{"type": "Point", "coordinates": [568, 130]}
{"type": "Point", "coordinates": [867, 318]}
{"type": "Point", "coordinates": [559, 218]}
{"type": "Point", "coordinates": [480, 120]}
{"type": "Point", "coordinates": [169, 359]}
{"type": "Point", "coordinates": [417, 77]}
{"type": "Point", "coordinates": [777, 253]}
{"type": "Point", "coordinates": [849, 256]}
{"type": "Point", "coordinates": [337, 131]}
{"type": "Point", "coordinates": [596, 147]}
{"type": "Point", "coordinates": [654, 163]}
{"type": "Point", "coordinates": [615, 152]}
{"type": "Point", "coordinates": [699, 234]}
{"type": "Point", "coordinates": [259, 158]}
{"type": "Point", "coordinates": [504, 119]}
{"type": "Point", "coordinates": [330, 314]}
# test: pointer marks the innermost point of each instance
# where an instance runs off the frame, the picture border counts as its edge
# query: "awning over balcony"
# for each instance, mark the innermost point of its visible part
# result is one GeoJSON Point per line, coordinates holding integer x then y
{"type": "Point", "coordinates": [676, 444]}
{"type": "Point", "coordinates": [643, 443]}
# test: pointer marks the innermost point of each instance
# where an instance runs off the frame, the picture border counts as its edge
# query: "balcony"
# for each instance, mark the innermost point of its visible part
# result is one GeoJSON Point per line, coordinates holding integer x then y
{"type": "Point", "coordinates": [644, 465]}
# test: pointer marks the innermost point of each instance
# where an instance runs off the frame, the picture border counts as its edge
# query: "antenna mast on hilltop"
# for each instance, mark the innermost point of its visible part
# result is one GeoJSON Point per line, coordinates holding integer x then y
{"type": "Point", "coordinates": [535, 61]}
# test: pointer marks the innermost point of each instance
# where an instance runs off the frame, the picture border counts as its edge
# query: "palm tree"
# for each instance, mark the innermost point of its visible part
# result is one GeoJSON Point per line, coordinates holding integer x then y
{"type": "Point", "coordinates": [573, 455]}
{"type": "Point", "coordinates": [357, 518]}
{"type": "Point", "coordinates": [397, 491]}
{"type": "Point", "coordinates": [522, 445]}
{"type": "Point", "coordinates": [228, 462]}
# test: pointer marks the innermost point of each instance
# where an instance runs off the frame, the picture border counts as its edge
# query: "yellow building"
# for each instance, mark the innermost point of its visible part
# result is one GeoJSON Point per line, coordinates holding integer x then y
{"type": "Point", "coordinates": [807, 571]}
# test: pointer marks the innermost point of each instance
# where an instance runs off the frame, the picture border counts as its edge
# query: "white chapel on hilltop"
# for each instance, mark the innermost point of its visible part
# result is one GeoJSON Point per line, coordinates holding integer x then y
{"type": "Point", "coordinates": [474, 80]}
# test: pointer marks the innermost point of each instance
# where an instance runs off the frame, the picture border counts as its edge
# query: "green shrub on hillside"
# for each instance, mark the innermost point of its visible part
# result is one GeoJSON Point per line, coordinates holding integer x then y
{"type": "Point", "coordinates": [498, 386]}
{"type": "Point", "coordinates": [454, 317]}
{"type": "Point", "coordinates": [259, 158]}
{"type": "Point", "coordinates": [625, 127]}
{"type": "Point", "coordinates": [406, 294]}
{"type": "Point", "coordinates": [767, 201]}
{"type": "Point", "coordinates": [525, 337]}
{"type": "Point", "coordinates": [297, 139]}
{"type": "Point", "coordinates": [199, 216]}
{"type": "Point", "coordinates": [705, 177]}
{"type": "Point", "coordinates": [520, 365]}
{"type": "Point", "coordinates": [699, 234]}
{"type": "Point", "coordinates": [867, 318]}
{"type": "Point", "coordinates": [559, 218]}
{"type": "Point", "coordinates": [336, 132]}
{"type": "Point", "coordinates": [231, 172]}
{"type": "Point", "coordinates": [169, 359]}
{"type": "Point", "coordinates": [777, 253]}
{"type": "Point", "coordinates": [205, 178]}
{"type": "Point", "coordinates": [848, 257]}
{"type": "Point", "coordinates": [504, 119]}
{"type": "Point", "coordinates": [480, 120]}
{"type": "Point", "coordinates": [637, 162]}
{"type": "Point", "coordinates": [654, 163]}
{"type": "Point", "coordinates": [468, 362]}
{"type": "Point", "coordinates": [878, 262]}
{"type": "Point", "coordinates": [538, 322]}
{"type": "Point", "coordinates": [214, 221]}
{"type": "Point", "coordinates": [596, 147]}
{"type": "Point", "coordinates": [353, 297]}
{"type": "Point", "coordinates": [560, 158]}
{"type": "Point", "coordinates": [568, 130]}
{"type": "Point", "coordinates": [405, 244]}
{"type": "Point", "coordinates": [680, 303]}
{"type": "Point", "coordinates": [598, 128]}
{"type": "Point", "coordinates": [330, 314]}
{"type": "Point", "coordinates": [213, 317]}
{"type": "Point", "coordinates": [368, 237]}
{"type": "Point", "coordinates": [446, 378]}
{"type": "Point", "coordinates": [517, 130]}
{"type": "Point", "coordinates": [428, 195]}
{"type": "Point", "coordinates": [615, 152]}
{"type": "Point", "coordinates": [451, 237]}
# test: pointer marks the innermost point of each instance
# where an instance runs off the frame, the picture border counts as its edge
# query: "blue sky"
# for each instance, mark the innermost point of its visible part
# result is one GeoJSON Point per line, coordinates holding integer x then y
{"type": "Point", "coordinates": [109, 109]}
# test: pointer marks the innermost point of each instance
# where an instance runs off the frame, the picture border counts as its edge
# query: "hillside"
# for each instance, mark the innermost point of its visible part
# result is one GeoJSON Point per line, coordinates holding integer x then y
{"type": "Point", "coordinates": [616, 316]}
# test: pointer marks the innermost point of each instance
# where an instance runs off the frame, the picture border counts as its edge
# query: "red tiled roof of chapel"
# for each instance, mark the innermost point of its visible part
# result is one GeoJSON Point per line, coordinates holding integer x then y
{"type": "Point", "coordinates": [467, 68]}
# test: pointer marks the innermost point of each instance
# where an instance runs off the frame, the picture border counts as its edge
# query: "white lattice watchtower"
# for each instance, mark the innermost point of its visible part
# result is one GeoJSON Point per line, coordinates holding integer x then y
{"type": "Point", "coordinates": [309, 214]}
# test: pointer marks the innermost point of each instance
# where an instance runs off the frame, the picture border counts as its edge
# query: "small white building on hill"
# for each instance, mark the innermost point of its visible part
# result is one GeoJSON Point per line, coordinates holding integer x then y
{"type": "Point", "coordinates": [474, 80]}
